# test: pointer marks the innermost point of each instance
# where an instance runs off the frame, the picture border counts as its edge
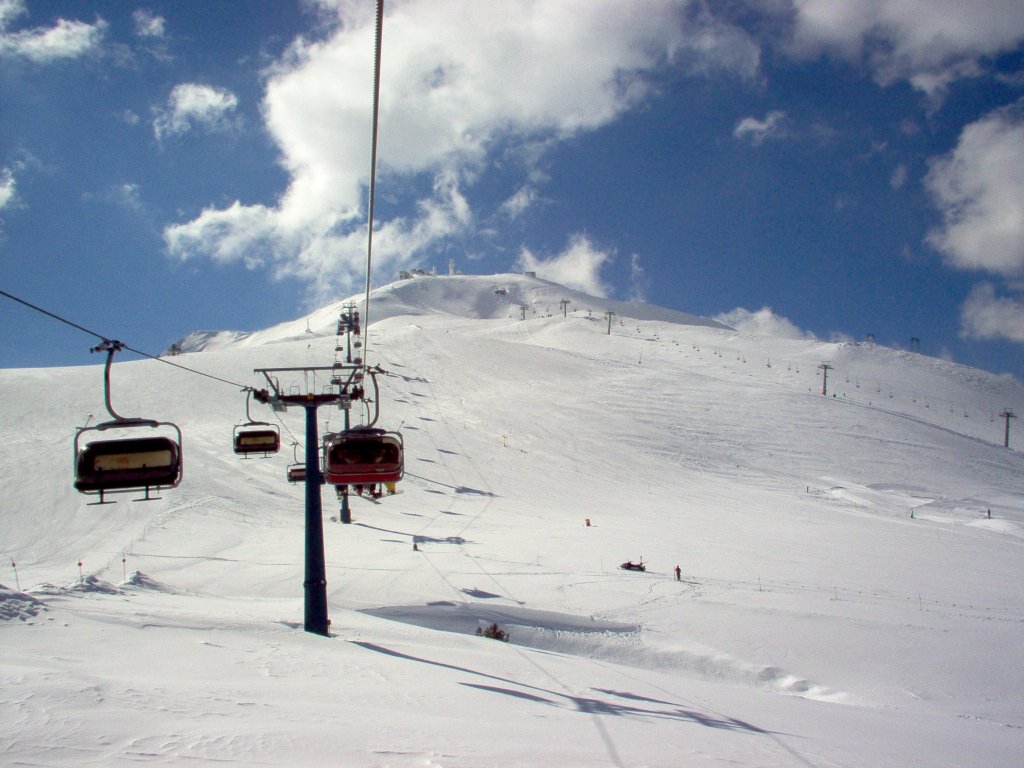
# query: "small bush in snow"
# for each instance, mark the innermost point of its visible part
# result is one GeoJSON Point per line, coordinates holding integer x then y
{"type": "Point", "coordinates": [494, 631]}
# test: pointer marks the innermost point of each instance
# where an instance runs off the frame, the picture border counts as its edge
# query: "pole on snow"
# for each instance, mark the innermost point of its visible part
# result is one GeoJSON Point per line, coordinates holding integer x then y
{"type": "Point", "coordinates": [1007, 414]}
{"type": "Point", "coordinates": [315, 583]}
{"type": "Point", "coordinates": [824, 368]}
{"type": "Point", "coordinates": [345, 516]}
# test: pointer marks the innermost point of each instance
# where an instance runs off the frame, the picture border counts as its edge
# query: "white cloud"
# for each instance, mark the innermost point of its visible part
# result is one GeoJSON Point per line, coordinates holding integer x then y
{"type": "Point", "coordinates": [986, 316]}
{"type": "Point", "coordinates": [64, 40]}
{"type": "Point", "coordinates": [979, 188]}
{"type": "Point", "coordinates": [929, 43]}
{"type": "Point", "coordinates": [10, 9]}
{"type": "Point", "coordinates": [578, 266]}
{"type": "Point", "coordinates": [147, 24]}
{"type": "Point", "coordinates": [6, 187]}
{"type": "Point", "coordinates": [462, 83]}
{"type": "Point", "coordinates": [191, 104]}
{"type": "Point", "coordinates": [638, 282]}
{"type": "Point", "coordinates": [898, 179]}
{"type": "Point", "coordinates": [763, 322]}
{"type": "Point", "coordinates": [236, 233]}
{"type": "Point", "coordinates": [759, 131]}
{"type": "Point", "coordinates": [522, 200]}
{"type": "Point", "coordinates": [127, 195]}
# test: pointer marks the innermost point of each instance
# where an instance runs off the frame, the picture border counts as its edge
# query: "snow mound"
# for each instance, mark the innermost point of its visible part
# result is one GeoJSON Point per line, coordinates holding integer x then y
{"type": "Point", "coordinates": [86, 585]}
{"type": "Point", "coordinates": [142, 581]}
{"type": "Point", "coordinates": [18, 605]}
{"type": "Point", "coordinates": [91, 584]}
{"type": "Point", "coordinates": [467, 617]}
{"type": "Point", "coordinates": [609, 641]}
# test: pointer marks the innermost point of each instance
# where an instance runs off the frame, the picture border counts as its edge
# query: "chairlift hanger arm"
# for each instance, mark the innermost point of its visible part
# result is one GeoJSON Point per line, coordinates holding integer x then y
{"type": "Point", "coordinates": [376, 398]}
{"type": "Point", "coordinates": [111, 347]}
{"type": "Point", "coordinates": [249, 392]}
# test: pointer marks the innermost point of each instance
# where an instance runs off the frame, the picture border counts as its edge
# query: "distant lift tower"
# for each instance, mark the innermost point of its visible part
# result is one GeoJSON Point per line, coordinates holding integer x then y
{"type": "Point", "coordinates": [824, 368]}
{"type": "Point", "coordinates": [1007, 414]}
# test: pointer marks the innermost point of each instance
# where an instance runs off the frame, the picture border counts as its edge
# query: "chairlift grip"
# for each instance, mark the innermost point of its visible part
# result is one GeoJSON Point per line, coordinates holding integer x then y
{"type": "Point", "coordinates": [110, 346]}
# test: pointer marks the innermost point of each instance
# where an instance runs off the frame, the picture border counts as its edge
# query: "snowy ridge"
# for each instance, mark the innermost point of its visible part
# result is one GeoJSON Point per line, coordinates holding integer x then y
{"type": "Point", "coordinates": [850, 563]}
{"type": "Point", "coordinates": [480, 297]}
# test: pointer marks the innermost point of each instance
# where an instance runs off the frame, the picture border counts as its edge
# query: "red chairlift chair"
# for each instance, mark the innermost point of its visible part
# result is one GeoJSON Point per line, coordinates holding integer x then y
{"type": "Point", "coordinates": [363, 456]}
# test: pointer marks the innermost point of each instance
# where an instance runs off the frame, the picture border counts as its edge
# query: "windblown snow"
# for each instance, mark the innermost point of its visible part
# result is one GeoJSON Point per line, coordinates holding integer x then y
{"type": "Point", "coordinates": [850, 562]}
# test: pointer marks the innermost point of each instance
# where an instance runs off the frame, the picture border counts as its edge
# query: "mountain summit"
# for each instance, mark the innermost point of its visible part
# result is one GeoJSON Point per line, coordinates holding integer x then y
{"type": "Point", "coordinates": [478, 297]}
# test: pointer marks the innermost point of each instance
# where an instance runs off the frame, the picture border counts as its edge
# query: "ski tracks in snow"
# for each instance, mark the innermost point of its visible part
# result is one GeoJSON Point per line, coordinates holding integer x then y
{"type": "Point", "coordinates": [469, 493]}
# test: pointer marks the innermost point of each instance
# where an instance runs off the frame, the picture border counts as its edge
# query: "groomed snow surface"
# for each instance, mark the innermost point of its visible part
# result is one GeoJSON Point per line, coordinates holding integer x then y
{"type": "Point", "coordinates": [851, 564]}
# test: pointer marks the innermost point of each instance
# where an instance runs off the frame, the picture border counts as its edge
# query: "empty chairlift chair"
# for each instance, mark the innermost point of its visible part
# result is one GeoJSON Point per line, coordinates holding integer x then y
{"type": "Point", "coordinates": [296, 472]}
{"type": "Point", "coordinates": [128, 464]}
{"type": "Point", "coordinates": [257, 437]}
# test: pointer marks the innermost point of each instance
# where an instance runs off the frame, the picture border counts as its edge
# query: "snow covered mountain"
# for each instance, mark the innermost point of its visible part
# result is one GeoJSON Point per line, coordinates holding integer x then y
{"type": "Point", "coordinates": [850, 562]}
{"type": "Point", "coordinates": [481, 297]}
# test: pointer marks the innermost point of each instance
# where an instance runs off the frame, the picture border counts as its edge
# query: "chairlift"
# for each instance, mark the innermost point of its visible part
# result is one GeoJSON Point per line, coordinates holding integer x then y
{"type": "Point", "coordinates": [256, 436]}
{"type": "Point", "coordinates": [126, 464]}
{"type": "Point", "coordinates": [363, 456]}
{"type": "Point", "coordinates": [296, 472]}
{"type": "Point", "coordinates": [266, 439]}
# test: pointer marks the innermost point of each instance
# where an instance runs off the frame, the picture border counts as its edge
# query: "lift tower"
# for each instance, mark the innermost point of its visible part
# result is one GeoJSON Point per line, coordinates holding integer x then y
{"type": "Point", "coordinates": [315, 581]}
{"type": "Point", "coordinates": [825, 367]}
{"type": "Point", "coordinates": [1007, 414]}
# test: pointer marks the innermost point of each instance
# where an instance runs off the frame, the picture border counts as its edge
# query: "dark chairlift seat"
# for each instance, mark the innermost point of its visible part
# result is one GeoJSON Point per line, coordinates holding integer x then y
{"type": "Point", "coordinates": [128, 464]}
{"type": "Point", "coordinates": [363, 456]}
{"type": "Point", "coordinates": [265, 440]}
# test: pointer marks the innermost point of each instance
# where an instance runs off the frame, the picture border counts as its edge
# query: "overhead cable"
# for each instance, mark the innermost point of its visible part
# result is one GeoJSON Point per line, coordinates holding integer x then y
{"type": "Point", "coordinates": [108, 340]}
{"type": "Point", "coordinates": [373, 172]}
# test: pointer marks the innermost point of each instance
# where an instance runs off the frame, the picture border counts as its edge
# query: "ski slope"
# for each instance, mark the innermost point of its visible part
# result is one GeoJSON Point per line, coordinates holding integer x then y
{"type": "Point", "coordinates": [846, 599]}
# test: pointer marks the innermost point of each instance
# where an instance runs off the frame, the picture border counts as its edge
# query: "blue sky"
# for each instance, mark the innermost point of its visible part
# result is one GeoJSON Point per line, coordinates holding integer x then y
{"type": "Point", "coordinates": [800, 167]}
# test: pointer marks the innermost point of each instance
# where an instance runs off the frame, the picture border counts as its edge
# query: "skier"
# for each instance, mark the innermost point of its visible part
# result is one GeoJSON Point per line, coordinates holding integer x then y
{"type": "Point", "coordinates": [679, 574]}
